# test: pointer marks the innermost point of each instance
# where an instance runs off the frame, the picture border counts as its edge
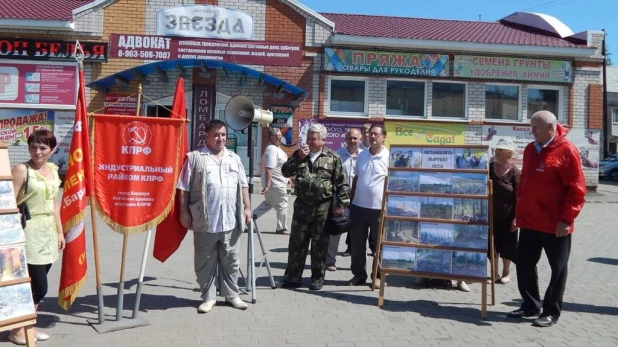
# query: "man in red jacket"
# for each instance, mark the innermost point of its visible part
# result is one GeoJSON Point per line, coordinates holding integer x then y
{"type": "Point", "coordinates": [549, 197]}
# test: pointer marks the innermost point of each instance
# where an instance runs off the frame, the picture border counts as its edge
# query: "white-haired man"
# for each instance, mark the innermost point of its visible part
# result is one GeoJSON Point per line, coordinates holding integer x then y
{"type": "Point", "coordinates": [321, 190]}
{"type": "Point", "coordinates": [550, 195]}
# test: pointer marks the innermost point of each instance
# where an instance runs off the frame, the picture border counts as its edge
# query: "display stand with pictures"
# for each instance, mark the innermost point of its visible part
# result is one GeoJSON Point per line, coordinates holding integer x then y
{"type": "Point", "coordinates": [436, 216]}
{"type": "Point", "coordinates": [16, 305]}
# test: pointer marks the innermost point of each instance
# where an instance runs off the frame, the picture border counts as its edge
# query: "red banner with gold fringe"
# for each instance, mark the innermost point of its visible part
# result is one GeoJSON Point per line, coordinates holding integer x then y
{"type": "Point", "coordinates": [135, 169]}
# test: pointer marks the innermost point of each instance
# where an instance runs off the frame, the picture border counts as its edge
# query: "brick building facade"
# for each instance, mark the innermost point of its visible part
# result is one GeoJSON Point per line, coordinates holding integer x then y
{"type": "Point", "coordinates": [311, 86]}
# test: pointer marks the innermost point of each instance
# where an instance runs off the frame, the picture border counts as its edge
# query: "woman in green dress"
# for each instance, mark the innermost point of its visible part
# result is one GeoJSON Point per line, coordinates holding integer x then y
{"type": "Point", "coordinates": [44, 235]}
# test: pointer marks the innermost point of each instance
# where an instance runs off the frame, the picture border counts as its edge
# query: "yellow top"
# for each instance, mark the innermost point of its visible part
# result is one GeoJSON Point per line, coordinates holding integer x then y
{"type": "Point", "coordinates": [41, 230]}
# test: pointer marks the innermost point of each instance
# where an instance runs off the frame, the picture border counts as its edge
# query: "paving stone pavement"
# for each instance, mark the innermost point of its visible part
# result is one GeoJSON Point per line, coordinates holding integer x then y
{"type": "Point", "coordinates": [340, 316]}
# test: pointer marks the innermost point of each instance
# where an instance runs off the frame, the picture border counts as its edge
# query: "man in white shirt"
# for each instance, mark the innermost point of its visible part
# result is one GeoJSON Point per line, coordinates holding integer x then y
{"type": "Point", "coordinates": [366, 195]}
{"type": "Point", "coordinates": [273, 183]}
{"type": "Point", "coordinates": [348, 157]}
{"type": "Point", "coordinates": [215, 205]}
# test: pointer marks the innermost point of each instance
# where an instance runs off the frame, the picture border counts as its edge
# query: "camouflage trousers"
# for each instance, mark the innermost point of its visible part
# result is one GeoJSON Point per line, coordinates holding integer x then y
{"type": "Point", "coordinates": [307, 225]}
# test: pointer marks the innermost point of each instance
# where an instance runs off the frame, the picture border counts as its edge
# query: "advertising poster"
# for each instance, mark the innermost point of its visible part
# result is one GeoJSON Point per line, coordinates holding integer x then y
{"type": "Point", "coordinates": [120, 104]}
{"type": "Point", "coordinates": [336, 129]}
{"type": "Point", "coordinates": [17, 125]}
{"type": "Point", "coordinates": [586, 140]}
{"type": "Point", "coordinates": [128, 46]}
{"type": "Point", "coordinates": [63, 130]}
{"type": "Point", "coordinates": [385, 63]}
{"type": "Point", "coordinates": [521, 69]}
{"type": "Point", "coordinates": [44, 83]}
{"type": "Point", "coordinates": [134, 172]}
{"type": "Point", "coordinates": [35, 49]}
{"type": "Point", "coordinates": [283, 116]}
{"type": "Point", "coordinates": [414, 133]}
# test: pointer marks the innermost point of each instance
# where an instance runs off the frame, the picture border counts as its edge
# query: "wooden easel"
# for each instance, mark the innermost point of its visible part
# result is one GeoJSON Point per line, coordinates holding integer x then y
{"type": "Point", "coordinates": [412, 194]}
{"type": "Point", "coordinates": [25, 321]}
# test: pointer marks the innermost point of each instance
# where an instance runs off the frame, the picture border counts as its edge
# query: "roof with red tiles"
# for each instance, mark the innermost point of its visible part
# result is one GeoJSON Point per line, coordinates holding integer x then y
{"type": "Point", "coordinates": [445, 30]}
{"type": "Point", "coordinates": [60, 10]}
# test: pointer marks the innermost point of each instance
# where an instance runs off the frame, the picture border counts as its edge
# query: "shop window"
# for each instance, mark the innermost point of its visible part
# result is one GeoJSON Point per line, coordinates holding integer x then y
{"type": "Point", "coordinates": [543, 99]}
{"type": "Point", "coordinates": [448, 100]}
{"type": "Point", "coordinates": [615, 115]}
{"type": "Point", "coordinates": [501, 102]}
{"type": "Point", "coordinates": [348, 96]}
{"type": "Point", "coordinates": [405, 98]}
{"type": "Point", "coordinates": [157, 111]}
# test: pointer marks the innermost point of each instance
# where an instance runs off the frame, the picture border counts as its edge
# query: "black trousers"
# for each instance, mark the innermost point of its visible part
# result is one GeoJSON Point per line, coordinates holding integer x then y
{"type": "Point", "coordinates": [38, 281]}
{"type": "Point", "coordinates": [365, 222]}
{"type": "Point", "coordinates": [557, 249]}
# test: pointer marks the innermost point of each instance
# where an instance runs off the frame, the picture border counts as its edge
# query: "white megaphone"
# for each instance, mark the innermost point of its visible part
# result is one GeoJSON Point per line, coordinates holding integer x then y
{"type": "Point", "coordinates": [240, 112]}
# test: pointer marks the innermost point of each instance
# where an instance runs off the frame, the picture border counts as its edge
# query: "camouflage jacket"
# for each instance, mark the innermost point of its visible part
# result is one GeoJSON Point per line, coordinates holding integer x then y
{"type": "Point", "coordinates": [317, 182]}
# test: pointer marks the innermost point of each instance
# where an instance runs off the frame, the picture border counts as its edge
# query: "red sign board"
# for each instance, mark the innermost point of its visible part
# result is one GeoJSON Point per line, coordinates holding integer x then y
{"type": "Point", "coordinates": [31, 49]}
{"type": "Point", "coordinates": [37, 84]}
{"type": "Point", "coordinates": [121, 105]}
{"type": "Point", "coordinates": [239, 52]}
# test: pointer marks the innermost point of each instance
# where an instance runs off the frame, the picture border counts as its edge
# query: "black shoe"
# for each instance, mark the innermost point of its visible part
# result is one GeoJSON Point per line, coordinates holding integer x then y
{"type": "Point", "coordinates": [520, 313]}
{"type": "Point", "coordinates": [355, 281]}
{"type": "Point", "coordinates": [545, 321]}
{"type": "Point", "coordinates": [316, 286]}
{"type": "Point", "coordinates": [287, 284]}
{"type": "Point", "coordinates": [346, 253]}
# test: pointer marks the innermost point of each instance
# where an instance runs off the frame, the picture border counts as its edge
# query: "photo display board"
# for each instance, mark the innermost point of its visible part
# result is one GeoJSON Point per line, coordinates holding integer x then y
{"type": "Point", "coordinates": [436, 215]}
{"type": "Point", "coordinates": [16, 305]}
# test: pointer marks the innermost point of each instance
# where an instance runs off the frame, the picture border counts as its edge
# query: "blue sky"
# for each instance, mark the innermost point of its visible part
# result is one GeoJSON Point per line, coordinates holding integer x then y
{"type": "Point", "coordinates": [579, 15]}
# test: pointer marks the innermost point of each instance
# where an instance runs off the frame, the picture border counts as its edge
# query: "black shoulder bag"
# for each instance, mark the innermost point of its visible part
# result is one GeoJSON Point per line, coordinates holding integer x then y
{"type": "Point", "coordinates": [23, 208]}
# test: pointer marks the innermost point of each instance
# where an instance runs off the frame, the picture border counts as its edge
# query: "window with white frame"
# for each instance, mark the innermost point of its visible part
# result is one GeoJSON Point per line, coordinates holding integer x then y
{"type": "Point", "coordinates": [501, 102]}
{"type": "Point", "coordinates": [544, 99]}
{"type": "Point", "coordinates": [448, 100]}
{"type": "Point", "coordinates": [405, 98]}
{"type": "Point", "coordinates": [614, 115]}
{"type": "Point", "coordinates": [348, 96]}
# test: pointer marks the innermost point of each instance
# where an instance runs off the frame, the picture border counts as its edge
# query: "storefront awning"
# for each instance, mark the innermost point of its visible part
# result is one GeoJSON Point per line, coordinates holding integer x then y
{"type": "Point", "coordinates": [161, 67]}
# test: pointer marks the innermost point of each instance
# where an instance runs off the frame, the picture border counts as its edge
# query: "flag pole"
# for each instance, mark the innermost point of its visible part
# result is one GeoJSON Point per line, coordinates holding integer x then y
{"type": "Point", "coordinates": [142, 270]}
{"type": "Point", "coordinates": [97, 268]}
{"type": "Point", "coordinates": [79, 56]}
{"type": "Point", "coordinates": [125, 238]}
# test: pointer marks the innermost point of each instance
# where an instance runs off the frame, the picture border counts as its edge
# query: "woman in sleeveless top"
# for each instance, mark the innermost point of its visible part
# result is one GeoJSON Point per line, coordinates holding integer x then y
{"type": "Point", "coordinates": [44, 235]}
{"type": "Point", "coordinates": [504, 176]}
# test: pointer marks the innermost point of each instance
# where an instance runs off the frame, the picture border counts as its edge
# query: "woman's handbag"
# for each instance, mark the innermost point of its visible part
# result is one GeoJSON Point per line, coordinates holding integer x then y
{"type": "Point", "coordinates": [23, 208]}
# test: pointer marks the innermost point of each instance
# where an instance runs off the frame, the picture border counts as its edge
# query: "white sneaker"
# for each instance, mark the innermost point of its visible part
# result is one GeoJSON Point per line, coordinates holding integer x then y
{"type": "Point", "coordinates": [461, 285]}
{"type": "Point", "coordinates": [206, 306]}
{"type": "Point", "coordinates": [237, 303]}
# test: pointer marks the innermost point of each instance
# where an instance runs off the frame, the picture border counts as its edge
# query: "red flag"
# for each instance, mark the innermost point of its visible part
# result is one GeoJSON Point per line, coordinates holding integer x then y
{"type": "Point", "coordinates": [74, 203]}
{"type": "Point", "coordinates": [170, 232]}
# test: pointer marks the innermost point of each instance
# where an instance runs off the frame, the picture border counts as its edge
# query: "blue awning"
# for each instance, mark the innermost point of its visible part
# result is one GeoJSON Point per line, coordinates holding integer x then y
{"type": "Point", "coordinates": [139, 72]}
